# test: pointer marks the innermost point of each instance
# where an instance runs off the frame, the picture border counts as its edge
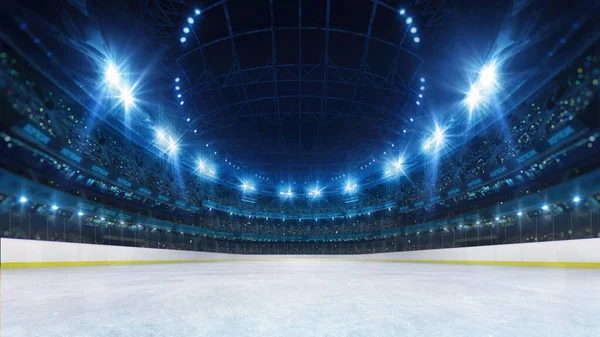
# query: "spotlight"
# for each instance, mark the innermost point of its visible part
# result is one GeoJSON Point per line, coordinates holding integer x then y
{"type": "Point", "coordinates": [183, 39]}
{"type": "Point", "coordinates": [201, 165]}
{"type": "Point", "coordinates": [190, 20]}
{"type": "Point", "coordinates": [409, 20]}
{"type": "Point", "coordinates": [350, 187]}
{"type": "Point", "coordinates": [172, 146]}
{"type": "Point", "coordinates": [497, 219]}
{"type": "Point", "coordinates": [473, 98]}
{"type": "Point", "coordinates": [487, 76]}
{"type": "Point", "coordinates": [402, 11]}
{"type": "Point", "coordinates": [22, 200]}
{"type": "Point", "coordinates": [417, 39]}
{"type": "Point", "coordinates": [576, 199]}
{"type": "Point", "coordinates": [520, 214]}
{"type": "Point", "coordinates": [315, 192]}
{"type": "Point", "coordinates": [398, 164]}
{"type": "Point", "coordinates": [102, 219]}
{"type": "Point", "coordinates": [160, 135]}
{"type": "Point", "coordinates": [186, 30]}
{"type": "Point", "coordinates": [112, 75]}
{"type": "Point", "coordinates": [80, 213]}
{"type": "Point", "coordinates": [126, 97]}
{"type": "Point", "coordinates": [413, 30]}
{"type": "Point", "coordinates": [54, 207]}
{"type": "Point", "coordinates": [545, 207]}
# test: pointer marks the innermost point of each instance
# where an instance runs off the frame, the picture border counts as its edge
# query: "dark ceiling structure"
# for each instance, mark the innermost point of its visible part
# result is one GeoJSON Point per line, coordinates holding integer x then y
{"type": "Point", "coordinates": [293, 85]}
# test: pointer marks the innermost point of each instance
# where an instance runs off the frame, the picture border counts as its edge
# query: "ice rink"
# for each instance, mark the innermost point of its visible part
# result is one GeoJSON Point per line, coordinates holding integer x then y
{"type": "Point", "coordinates": [300, 299]}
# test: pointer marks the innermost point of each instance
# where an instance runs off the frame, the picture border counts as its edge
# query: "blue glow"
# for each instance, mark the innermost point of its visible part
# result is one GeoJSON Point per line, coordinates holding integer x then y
{"type": "Point", "coordinates": [197, 11]}
{"type": "Point", "coordinates": [417, 39]}
{"type": "Point", "coordinates": [22, 200]}
{"type": "Point", "coordinates": [54, 207]}
{"type": "Point", "coordinates": [422, 79]}
{"type": "Point", "coordinates": [112, 75]}
{"type": "Point", "coordinates": [402, 11]}
{"type": "Point", "coordinates": [181, 103]}
{"type": "Point", "coordinates": [350, 187]}
{"type": "Point", "coordinates": [246, 186]}
{"type": "Point", "coordinates": [576, 199]}
{"type": "Point", "coordinates": [186, 30]}
{"type": "Point", "coordinates": [287, 193]}
{"type": "Point", "coordinates": [177, 88]}
{"type": "Point", "coordinates": [409, 20]}
{"type": "Point", "coordinates": [436, 141]}
{"type": "Point", "coordinates": [190, 20]}
{"type": "Point", "coordinates": [422, 88]}
{"type": "Point", "coordinates": [418, 103]}
{"type": "Point", "coordinates": [178, 95]}
{"type": "Point", "coordinates": [177, 79]}
{"type": "Point", "coordinates": [80, 213]}
{"type": "Point", "coordinates": [315, 192]}
{"type": "Point", "coordinates": [183, 39]}
{"type": "Point", "coordinates": [413, 30]}
{"type": "Point", "coordinates": [545, 207]}
{"type": "Point", "coordinates": [520, 213]}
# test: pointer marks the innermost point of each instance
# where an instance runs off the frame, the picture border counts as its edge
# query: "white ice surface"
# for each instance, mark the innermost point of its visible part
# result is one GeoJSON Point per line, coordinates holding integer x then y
{"type": "Point", "coordinates": [300, 298]}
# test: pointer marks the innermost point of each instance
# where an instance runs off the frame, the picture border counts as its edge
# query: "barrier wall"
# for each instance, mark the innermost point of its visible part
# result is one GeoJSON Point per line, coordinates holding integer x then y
{"type": "Point", "coordinates": [29, 253]}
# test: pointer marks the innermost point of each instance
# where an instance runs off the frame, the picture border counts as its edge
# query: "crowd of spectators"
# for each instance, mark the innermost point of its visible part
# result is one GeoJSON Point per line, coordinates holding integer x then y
{"type": "Point", "coordinates": [63, 119]}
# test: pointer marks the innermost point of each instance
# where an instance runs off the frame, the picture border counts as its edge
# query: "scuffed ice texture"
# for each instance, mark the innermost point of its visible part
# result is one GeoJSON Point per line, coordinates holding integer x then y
{"type": "Point", "coordinates": [300, 298]}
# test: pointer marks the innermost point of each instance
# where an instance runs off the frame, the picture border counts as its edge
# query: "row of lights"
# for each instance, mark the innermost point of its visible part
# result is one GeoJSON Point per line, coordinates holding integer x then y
{"type": "Point", "coordinates": [409, 22]}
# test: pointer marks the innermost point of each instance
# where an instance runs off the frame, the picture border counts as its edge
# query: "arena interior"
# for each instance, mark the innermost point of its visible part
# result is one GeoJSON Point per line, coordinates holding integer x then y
{"type": "Point", "coordinates": [299, 168]}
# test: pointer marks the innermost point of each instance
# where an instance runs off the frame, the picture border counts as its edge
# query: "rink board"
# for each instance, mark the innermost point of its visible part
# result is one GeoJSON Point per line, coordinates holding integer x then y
{"type": "Point", "coordinates": [16, 253]}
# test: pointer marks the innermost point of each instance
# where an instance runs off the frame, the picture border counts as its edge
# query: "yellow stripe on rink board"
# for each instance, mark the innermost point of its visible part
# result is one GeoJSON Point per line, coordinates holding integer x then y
{"type": "Point", "coordinates": [7, 265]}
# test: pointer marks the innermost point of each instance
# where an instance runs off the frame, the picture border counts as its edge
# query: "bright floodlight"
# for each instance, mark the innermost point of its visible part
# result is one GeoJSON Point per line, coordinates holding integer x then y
{"type": "Point", "coordinates": [287, 194]}
{"type": "Point", "coordinates": [545, 207]}
{"type": "Point", "coordinates": [172, 146]}
{"type": "Point", "coordinates": [160, 135]}
{"type": "Point", "coordinates": [487, 76]}
{"type": "Point", "coordinates": [80, 213]}
{"type": "Point", "coordinates": [201, 165]}
{"type": "Point", "coordinates": [247, 187]}
{"type": "Point", "coordinates": [576, 199]}
{"type": "Point", "coordinates": [350, 187]}
{"type": "Point", "coordinates": [315, 192]}
{"type": "Point", "coordinates": [520, 213]}
{"type": "Point", "coordinates": [497, 219]}
{"type": "Point", "coordinates": [54, 207]}
{"type": "Point", "coordinates": [398, 164]}
{"type": "Point", "coordinates": [23, 200]}
{"type": "Point", "coordinates": [112, 75]}
{"type": "Point", "coordinates": [473, 98]}
{"type": "Point", "coordinates": [126, 97]}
